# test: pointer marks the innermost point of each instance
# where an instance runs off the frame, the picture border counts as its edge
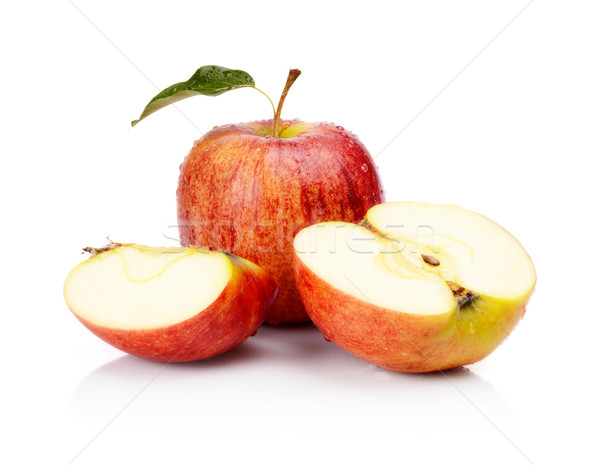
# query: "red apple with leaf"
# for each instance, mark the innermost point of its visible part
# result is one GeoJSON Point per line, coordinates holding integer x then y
{"type": "Point", "coordinates": [248, 188]}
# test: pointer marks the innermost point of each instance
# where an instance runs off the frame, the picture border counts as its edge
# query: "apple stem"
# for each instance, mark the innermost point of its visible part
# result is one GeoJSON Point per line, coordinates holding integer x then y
{"type": "Point", "coordinates": [292, 76]}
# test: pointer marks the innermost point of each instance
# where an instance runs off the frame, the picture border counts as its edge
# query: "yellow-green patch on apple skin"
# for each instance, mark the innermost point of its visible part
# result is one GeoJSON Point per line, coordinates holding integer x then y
{"type": "Point", "coordinates": [402, 341]}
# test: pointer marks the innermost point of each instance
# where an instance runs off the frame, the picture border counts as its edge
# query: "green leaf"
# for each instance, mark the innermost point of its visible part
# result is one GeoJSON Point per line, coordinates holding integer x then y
{"type": "Point", "coordinates": [209, 80]}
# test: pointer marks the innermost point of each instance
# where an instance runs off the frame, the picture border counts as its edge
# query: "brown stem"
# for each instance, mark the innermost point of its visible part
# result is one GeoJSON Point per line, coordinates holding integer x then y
{"type": "Point", "coordinates": [292, 76]}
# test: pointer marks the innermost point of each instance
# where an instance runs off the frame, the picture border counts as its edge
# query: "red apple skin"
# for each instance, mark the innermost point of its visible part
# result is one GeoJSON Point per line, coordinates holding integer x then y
{"type": "Point", "coordinates": [236, 314]}
{"type": "Point", "coordinates": [402, 341]}
{"type": "Point", "coordinates": [249, 194]}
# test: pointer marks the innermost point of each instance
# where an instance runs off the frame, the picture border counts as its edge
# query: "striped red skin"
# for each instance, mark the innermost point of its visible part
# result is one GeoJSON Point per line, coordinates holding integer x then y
{"type": "Point", "coordinates": [402, 341]}
{"type": "Point", "coordinates": [237, 313]}
{"type": "Point", "coordinates": [249, 195]}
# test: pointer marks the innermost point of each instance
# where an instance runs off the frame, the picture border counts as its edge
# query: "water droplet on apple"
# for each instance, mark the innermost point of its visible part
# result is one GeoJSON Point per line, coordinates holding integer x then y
{"type": "Point", "coordinates": [254, 333]}
{"type": "Point", "coordinates": [215, 127]}
{"type": "Point", "coordinates": [340, 128]}
{"type": "Point", "coordinates": [326, 338]}
{"type": "Point", "coordinates": [268, 137]}
{"type": "Point", "coordinates": [343, 134]}
{"type": "Point", "coordinates": [364, 167]}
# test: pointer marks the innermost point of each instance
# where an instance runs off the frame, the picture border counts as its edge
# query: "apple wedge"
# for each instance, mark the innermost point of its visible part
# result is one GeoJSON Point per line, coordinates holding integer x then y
{"type": "Point", "coordinates": [415, 287]}
{"type": "Point", "coordinates": [169, 304]}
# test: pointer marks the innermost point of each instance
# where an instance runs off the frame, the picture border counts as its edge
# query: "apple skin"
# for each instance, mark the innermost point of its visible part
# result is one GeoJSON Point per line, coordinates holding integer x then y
{"type": "Point", "coordinates": [402, 341]}
{"type": "Point", "coordinates": [234, 316]}
{"type": "Point", "coordinates": [245, 192]}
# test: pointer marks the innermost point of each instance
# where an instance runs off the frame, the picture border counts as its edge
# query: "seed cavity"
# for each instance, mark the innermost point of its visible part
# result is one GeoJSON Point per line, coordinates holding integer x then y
{"type": "Point", "coordinates": [430, 260]}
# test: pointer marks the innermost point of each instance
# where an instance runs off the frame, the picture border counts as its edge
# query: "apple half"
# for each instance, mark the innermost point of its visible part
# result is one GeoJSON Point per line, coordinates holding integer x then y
{"type": "Point", "coordinates": [169, 304]}
{"type": "Point", "coordinates": [415, 287]}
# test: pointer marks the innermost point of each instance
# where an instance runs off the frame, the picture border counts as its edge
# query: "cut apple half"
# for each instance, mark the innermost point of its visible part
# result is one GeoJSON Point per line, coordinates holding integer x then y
{"type": "Point", "coordinates": [415, 286]}
{"type": "Point", "coordinates": [169, 304]}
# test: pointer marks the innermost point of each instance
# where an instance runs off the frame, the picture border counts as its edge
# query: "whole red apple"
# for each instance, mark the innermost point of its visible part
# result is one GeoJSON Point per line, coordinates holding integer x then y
{"type": "Point", "coordinates": [246, 192]}
{"type": "Point", "coordinates": [248, 188]}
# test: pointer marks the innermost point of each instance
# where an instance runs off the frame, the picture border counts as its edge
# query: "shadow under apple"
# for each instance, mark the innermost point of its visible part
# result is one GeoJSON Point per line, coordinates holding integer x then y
{"type": "Point", "coordinates": [288, 373]}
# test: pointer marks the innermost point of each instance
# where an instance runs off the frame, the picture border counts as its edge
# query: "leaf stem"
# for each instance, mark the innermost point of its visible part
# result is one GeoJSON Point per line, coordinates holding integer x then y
{"type": "Point", "coordinates": [292, 76]}
{"type": "Point", "coordinates": [270, 101]}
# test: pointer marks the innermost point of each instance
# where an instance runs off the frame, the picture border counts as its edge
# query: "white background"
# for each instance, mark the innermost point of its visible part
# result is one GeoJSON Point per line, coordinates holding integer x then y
{"type": "Point", "coordinates": [509, 129]}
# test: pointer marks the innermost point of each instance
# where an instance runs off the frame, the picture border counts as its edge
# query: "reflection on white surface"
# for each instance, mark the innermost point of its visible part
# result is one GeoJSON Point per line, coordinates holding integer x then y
{"type": "Point", "coordinates": [287, 378]}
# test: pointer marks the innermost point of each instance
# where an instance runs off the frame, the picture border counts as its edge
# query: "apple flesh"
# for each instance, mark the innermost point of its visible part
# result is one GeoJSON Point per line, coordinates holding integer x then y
{"type": "Point", "coordinates": [416, 287]}
{"type": "Point", "coordinates": [169, 304]}
{"type": "Point", "coordinates": [248, 193]}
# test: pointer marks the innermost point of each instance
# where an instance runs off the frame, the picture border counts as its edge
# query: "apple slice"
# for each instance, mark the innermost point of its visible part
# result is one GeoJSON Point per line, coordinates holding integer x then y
{"type": "Point", "coordinates": [415, 287]}
{"type": "Point", "coordinates": [169, 304]}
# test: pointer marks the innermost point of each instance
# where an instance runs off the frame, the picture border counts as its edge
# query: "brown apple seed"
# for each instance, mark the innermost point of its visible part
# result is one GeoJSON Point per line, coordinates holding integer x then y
{"type": "Point", "coordinates": [430, 260]}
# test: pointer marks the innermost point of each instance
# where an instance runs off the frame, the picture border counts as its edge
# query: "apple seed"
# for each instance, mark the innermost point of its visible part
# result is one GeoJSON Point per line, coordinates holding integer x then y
{"type": "Point", "coordinates": [430, 260]}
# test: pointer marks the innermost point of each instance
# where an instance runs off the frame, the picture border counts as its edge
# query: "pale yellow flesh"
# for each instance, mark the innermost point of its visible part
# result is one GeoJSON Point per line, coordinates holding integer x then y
{"type": "Point", "coordinates": [386, 267]}
{"type": "Point", "coordinates": [138, 287]}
